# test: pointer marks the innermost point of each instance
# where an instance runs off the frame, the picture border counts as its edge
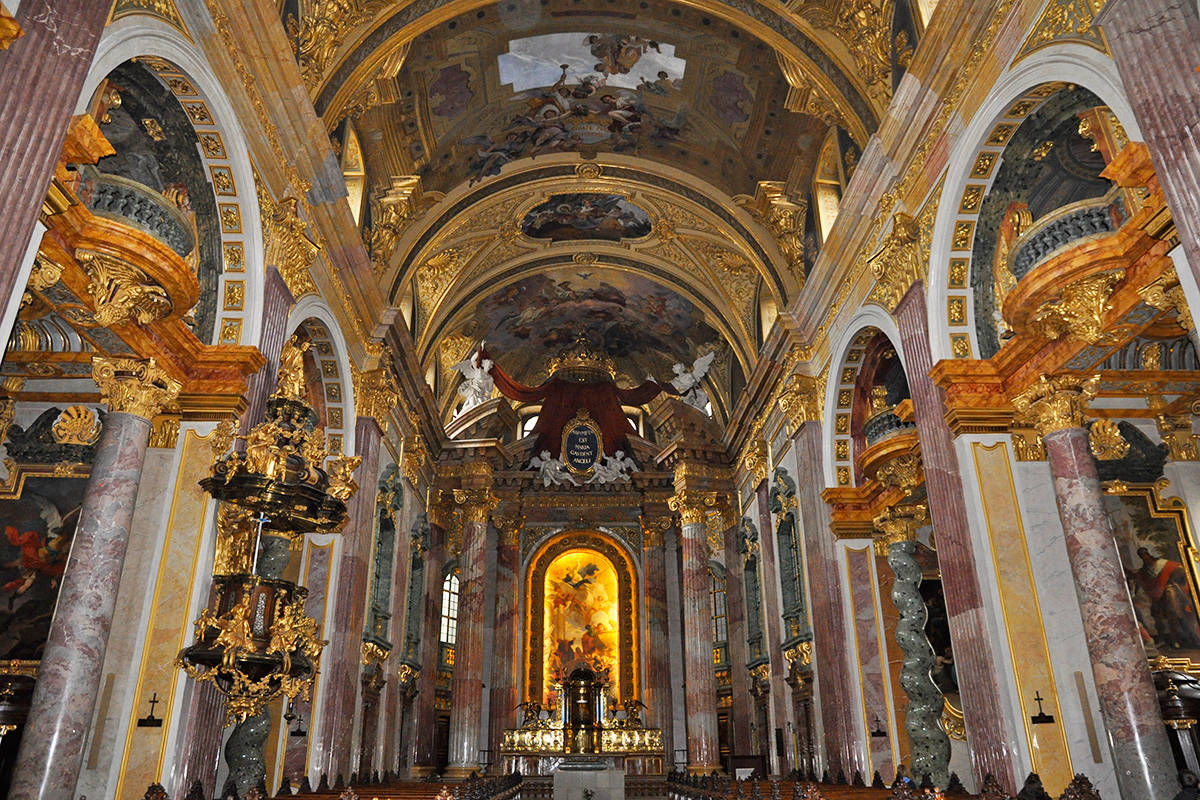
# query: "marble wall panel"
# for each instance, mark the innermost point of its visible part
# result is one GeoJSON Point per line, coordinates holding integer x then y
{"type": "Point", "coordinates": [872, 669]}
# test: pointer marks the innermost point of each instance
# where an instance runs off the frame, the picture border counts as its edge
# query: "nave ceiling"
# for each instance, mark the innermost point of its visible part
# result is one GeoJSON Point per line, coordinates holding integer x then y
{"type": "Point", "coordinates": [619, 158]}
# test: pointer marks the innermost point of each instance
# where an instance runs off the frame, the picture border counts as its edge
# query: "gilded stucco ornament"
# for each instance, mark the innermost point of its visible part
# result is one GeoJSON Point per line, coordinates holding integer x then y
{"type": "Point", "coordinates": [898, 264]}
{"type": "Point", "coordinates": [289, 247]}
{"type": "Point", "coordinates": [1175, 430]}
{"type": "Point", "coordinates": [1165, 294]}
{"type": "Point", "coordinates": [1080, 310]}
{"type": "Point", "coordinates": [1055, 403]}
{"type": "Point", "coordinates": [801, 399]}
{"type": "Point", "coordinates": [375, 394]}
{"type": "Point", "coordinates": [904, 472]}
{"type": "Point", "coordinates": [130, 386]}
{"type": "Point", "coordinates": [1105, 440]}
{"type": "Point", "coordinates": [477, 503]}
{"type": "Point", "coordinates": [122, 293]}
{"type": "Point", "coordinates": [76, 425]}
{"type": "Point", "coordinates": [754, 461]}
{"type": "Point", "coordinates": [692, 505]}
{"type": "Point", "coordinates": [390, 213]}
{"type": "Point", "coordinates": [899, 524]}
{"type": "Point", "coordinates": [783, 216]}
{"type": "Point", "coordinates": [322, 28]}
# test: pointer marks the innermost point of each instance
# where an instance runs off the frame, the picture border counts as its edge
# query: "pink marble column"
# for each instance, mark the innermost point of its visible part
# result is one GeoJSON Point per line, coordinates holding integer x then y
{"type": "Point", "coordinates": [466, 690]}
{"type": "Point", "coordinates": [64, 698]}
{"type": "Point", "coordinates": [1128, 702]}
{"type": "Point", "coordinates": [657, 691]}
{"type": "Point", "coordinates": [506, 663]}
{"type": "Point", "coordinates": [1154, 45]}
{"type": "Point", "coordinates": [422, 759]}
{"type": "Point", "coordinates": [341, 660]}
{"type": "Point", "coordinates": [36, 104]}
{"type": "Point", "coordinates": [831, 662]}
{"type": "Point", "coordinates": [702, 745]}
{"type": "Point", "coordinates": [988, 734]}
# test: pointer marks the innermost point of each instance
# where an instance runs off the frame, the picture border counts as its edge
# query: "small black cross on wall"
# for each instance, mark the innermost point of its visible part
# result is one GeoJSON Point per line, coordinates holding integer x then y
{"type": "Point", "coordinates": [1040, 718]}
{"type": "Point", "coordinates": [151, 721]}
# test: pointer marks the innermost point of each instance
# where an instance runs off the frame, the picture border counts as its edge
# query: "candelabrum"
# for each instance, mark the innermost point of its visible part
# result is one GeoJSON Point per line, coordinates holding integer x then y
{"type": "Point", "coordinates": [255, 642]}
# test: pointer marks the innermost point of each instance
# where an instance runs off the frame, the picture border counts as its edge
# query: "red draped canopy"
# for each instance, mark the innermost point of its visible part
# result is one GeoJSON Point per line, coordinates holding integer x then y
{"type": "Point", "coordinates": [562, 399]}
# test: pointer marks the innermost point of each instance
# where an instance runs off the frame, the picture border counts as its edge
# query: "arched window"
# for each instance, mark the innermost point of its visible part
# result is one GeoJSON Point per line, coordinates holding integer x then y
{"type": "Point", "coordinates": [449, 634]}
{"type": "Point", "coordinates": [827, 185]}
{"type": "Point", "coordinates": [354, 173]}
{"type": "Point", "coordinates": [527, 425]}
{"type": "Point", "coordinates": [720, 621]}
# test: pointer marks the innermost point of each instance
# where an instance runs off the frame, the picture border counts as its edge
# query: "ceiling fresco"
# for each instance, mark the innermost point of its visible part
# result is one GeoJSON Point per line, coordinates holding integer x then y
{"type": "Point", "coordinates": [473, 97]}
{"type": "Point", "coordinates": [642, 325]}
{"type": "Point", "coordinates": [586, 215]}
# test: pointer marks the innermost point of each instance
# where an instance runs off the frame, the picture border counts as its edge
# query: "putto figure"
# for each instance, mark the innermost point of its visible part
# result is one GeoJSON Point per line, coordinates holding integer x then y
{"type": "Point", "coordinates": [553, 470]}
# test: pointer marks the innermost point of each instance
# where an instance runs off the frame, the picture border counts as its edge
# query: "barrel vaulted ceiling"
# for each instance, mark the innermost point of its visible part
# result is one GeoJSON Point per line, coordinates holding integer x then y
{"type": "Point", "coordinates": [615, 157]}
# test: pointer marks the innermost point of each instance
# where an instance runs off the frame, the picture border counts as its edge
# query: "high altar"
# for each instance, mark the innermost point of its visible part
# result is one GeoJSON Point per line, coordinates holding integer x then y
{"type": "Point", "coordinates": [582, 660]}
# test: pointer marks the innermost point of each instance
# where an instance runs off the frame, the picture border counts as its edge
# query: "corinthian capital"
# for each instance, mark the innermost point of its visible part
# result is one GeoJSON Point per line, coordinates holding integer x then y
{"type": "Point", "coordinates": [477, 504]}
{"type": "Point", "coordinates": [1055, 403]}
{"type": "Point", "coordinates": [131, 386]}
{"type": "Point", "coordinates": [692, 505]}
{"type": "Point", "coordinates": [897, 525]}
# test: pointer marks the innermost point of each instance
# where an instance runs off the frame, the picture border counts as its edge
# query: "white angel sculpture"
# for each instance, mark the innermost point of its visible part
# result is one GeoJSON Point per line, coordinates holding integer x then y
{"type": "Point", "coordinates": [553, 470]}
{"type": "Point", "coordinates": [617, 467]}
{"type": "Point", "coordinates": [688, 382]}
{"type": "Point", "coordinates": [477, 382]}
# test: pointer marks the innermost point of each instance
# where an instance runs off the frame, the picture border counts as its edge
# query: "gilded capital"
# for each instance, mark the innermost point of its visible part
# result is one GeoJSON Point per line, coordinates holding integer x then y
{"type": "Point", "coordinates": [692, 505]}
{"type": "Point", "coordinates": [130, 386]}
{"type": "Point", "coordinates": [653, 529]}
{"type": "Point", "coordinates": [896, 525]}
{"type": "Point", "coordinates": [801, 399]}
{"type": "Point", "coordinates": [1055, 403]}
{"type": "Point", "coordinates": [754, 461]}
{"type": "Point", "coordinates": [509, 525]}
{"type": "Point", "coordinates": [477, 504]}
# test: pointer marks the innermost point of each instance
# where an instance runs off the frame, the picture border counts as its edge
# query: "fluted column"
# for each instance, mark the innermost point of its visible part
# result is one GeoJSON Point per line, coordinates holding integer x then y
{"type": "Point", "coordinates": [277, 301]}
{"type": "Point", "coordinates": [988, 733]}
{"type": "Point", "coordinates": [702, 744]}
{"type": "Point", "coordinates": [466, 690]}
{"type": "Point", "coordinates": [831, 664]}
{"type": "Point", "coordinates": [1154, 45]}
{"type": "Point", "coordinates": [344, 653]}
{"type": "Point", "coordinates": [36, 104]}
{"type": "Point", "coordinates": [657, 691]}
{"type": "Point", "coordinates": [1128, 702]}
{"type": "Point", "coordinates": [64, 698]}
{"type": "Point", "coordinates": [505, 658]}
{"type": "Point", "coordinates": [422, 760]}
{"type": "Point", "coordinates": [896, 537]}
{"type": "Point", "coordinates": [741, 709]}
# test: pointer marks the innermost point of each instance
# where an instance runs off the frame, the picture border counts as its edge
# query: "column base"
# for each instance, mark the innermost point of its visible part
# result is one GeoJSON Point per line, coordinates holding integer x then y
{"type": "Point", "coordinates": [463, 772]}
{"type": "Point", "coordinates": [420, 772]}
{"type": "Point", "coordinates": [705, 769]}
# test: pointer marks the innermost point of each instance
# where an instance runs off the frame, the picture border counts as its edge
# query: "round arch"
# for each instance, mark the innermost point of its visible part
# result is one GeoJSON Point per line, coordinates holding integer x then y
{"type": "Point", "coordinates": [626, 583]}
{"type": "Point", "coordinates": [1061, 64]}
{"type": "Point", "coordinates": [240, 296]}
{"type": "Point", "coordinates": [334, 367]}
{"type": "Point", "coordinates": [847, 359]}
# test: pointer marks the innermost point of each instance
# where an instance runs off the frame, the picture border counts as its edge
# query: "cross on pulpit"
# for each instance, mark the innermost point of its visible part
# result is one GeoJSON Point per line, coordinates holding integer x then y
{"type": "Point", "coordinates": [1040, 718]}
{"type": "Point", "coordinates": [151, 721]}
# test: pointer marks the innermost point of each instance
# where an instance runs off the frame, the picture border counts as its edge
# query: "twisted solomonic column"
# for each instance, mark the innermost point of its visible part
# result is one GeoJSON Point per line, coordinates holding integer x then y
{"type": "Point", "coordinates": [896, 539]}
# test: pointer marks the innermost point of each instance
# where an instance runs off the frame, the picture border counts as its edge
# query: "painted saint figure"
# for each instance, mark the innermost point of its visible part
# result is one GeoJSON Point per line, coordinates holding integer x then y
{"type": "Point", "coordinates": [1171, 605]}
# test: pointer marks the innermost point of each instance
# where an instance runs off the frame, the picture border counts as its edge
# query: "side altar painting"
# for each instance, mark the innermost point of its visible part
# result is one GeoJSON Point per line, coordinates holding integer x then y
{"type": "Point", "coordinates": [581, 618]}
{"type": "Point", "coordinates": [39, 524]}
{"type": "Point", "coordinates": [1158, 553]}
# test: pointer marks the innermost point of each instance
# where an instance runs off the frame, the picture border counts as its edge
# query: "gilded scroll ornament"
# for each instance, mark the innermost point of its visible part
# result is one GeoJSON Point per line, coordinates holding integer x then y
{"type": "Point", "coordinates": [324, 25]}
{"type": "Point", "coordinates": [653, 529]}
{"type": "Point", "coordinates": [1165, 294]}
{"type": "Point", "coordinates": [76, 425]}
{"type": "Point", "coordinates": [289, 247]}
{"type": "Point", "coordinates": [898, 264]}
{"type": "Point", "coordinates": [477, 503]}
{"type": "Point", "coordinates": [1055, 403]}
{"type": "Point", "coordinates": [1175, 430]}
{"type": "Point", "coordinates": [1105, 440]}
{"type": "Point", "coordinates": [801, 399]}
{"type": "Point", "coordinates": [864, 27]}
{"type": "Point", "coordinates": [45, 273]}
{"type": "Point", "coordinates": [904, 472]}
{"type": "Point", "coordinates": [1065, 21]}
{"type": "Point", "coordinates": [784, 218]}
{"type": "Point", "coordinates": [1080, 310]}
{"type": "Point", "coordinates": [130, 386]}
{"type": "Point", "coordinates": [10, 30]}
{"type": "Point", "coordinates": [122, 293]}
{"type": "Point", "coordinates": [390, 213]}
{"type": "Point", "coordinates": [754, 461]}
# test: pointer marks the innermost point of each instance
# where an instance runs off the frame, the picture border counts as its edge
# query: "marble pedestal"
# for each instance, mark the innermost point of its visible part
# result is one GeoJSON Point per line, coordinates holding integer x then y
{"type": "Point", "coordinates": [577, 774]}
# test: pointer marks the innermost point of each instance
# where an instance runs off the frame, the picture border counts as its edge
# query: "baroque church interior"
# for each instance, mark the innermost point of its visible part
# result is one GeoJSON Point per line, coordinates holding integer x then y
{"type": "Point", "coordinates": [689, 399]}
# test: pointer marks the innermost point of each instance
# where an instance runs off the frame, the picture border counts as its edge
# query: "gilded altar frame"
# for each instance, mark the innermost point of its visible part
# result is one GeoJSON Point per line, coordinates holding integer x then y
{"type": "Point", "coordinates": [627, 610]}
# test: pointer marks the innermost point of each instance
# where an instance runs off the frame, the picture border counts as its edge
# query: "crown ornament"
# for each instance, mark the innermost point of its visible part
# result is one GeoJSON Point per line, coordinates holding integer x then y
{"type": "Point", "coordinates": [581, 361]}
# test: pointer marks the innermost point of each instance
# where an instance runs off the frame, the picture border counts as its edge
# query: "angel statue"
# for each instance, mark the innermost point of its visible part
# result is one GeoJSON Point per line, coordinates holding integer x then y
{"type": "Point", "coordinates": [553, 470]}
{"type": "Point", "coordinates": [688, 382]}
{"type": "Point", "coordinates": [617, 467]}
{"type": "Point", "coordinates": [291, 370]}
{"type": "Point", "coordinates": [477, 384]}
